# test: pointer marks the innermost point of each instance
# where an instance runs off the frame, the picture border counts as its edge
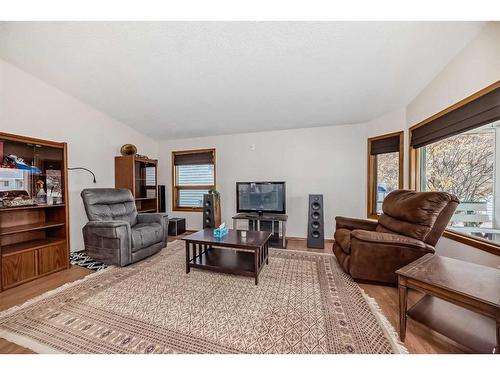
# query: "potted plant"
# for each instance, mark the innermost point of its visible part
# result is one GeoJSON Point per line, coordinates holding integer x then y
{"type": "Point", "coordinates": [215, 193]}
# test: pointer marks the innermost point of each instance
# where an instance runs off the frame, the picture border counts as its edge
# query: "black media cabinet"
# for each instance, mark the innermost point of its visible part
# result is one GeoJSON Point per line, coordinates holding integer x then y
{"type": "Point", "coordinates": [266, 222]}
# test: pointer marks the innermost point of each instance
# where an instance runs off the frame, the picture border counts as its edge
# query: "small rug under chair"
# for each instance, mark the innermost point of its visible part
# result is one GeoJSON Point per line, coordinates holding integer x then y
{"type": "Point", "coordinates": [79, 258]}
{"type": "Point", "coordinates": [304, 303]}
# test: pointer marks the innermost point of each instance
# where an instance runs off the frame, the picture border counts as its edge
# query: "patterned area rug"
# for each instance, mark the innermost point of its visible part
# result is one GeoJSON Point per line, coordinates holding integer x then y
{"type": "Point", "coordinates": [304, 303]}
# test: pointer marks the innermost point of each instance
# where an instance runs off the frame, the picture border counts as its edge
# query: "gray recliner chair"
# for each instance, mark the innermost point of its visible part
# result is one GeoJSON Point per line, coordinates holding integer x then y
{"type": "Point", "coordinates": [116, 234]}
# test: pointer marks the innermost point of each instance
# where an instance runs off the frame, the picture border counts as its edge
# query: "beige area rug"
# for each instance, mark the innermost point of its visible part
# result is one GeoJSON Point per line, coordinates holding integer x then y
{"type": "Point", "coordinates": [304, 303]}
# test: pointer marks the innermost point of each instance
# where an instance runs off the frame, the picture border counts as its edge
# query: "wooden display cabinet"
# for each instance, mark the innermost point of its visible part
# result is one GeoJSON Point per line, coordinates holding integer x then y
{"type": "Point", "coordinates": [34, 236]}
{"type": "Point", "coordinates": [140, 176]}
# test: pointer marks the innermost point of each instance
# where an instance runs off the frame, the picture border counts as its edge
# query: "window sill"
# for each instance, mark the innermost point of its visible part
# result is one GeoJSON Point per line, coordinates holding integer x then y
{"type": "Point", "coordinates": [473, 241]}
{"type": "Point", "coordinates": [188, 209]}
{"type": "Point", "coordinates": [373, 216]}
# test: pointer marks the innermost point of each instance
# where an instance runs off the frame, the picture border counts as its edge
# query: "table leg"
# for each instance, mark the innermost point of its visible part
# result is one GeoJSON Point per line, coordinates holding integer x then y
{"type": "Point", "coordinates": [403, 294]}
{"type": "Point", "coordinates": [283, 229]}
{"type": "Point", "coordinates": [256, 265]}
{"type": "Point", "coordinates": [267, 252]}
{"type": "Point", "coordinates": [187, 257]}
{"type": "Point", "coordinates": [496, 350]}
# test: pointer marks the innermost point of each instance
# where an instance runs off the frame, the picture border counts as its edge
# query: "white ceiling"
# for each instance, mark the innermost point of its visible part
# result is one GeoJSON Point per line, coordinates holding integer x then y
{"type": "Point", "coordinates": [184, 79]}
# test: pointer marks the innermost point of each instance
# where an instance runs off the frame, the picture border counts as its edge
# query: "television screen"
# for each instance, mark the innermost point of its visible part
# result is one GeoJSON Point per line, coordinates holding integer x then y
{"type": "Point", "coordinates": [261, 197]}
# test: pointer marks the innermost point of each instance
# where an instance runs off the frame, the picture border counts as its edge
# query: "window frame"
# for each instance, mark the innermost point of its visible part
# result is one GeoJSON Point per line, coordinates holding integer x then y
{"type": "Point", "coordinates": [414, 172]}
{"type": "Point", "coordinates": [175, 188]}
{"type": "Point", "coordinates": [371, 176]}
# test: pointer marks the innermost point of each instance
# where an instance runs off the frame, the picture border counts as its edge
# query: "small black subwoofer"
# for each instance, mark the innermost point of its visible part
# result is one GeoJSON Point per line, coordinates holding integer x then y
{"type": "Point", "coordinates": [315, 226]}
{"type": "Point", "coordinates": [208, 211]}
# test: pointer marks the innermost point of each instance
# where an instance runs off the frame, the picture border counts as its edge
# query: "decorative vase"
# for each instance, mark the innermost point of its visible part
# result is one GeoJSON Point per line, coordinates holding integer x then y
{"type": "Point", "coordinates": [128, 149]}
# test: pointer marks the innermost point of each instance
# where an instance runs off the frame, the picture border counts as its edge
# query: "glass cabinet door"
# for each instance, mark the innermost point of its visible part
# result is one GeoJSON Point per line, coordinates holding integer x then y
{"type": "Point", "coordinates": [49, 184]}
{"type": "Point", "coordinates": [30, 174]}
{"type": "Point", "coordinates": [145, 180]}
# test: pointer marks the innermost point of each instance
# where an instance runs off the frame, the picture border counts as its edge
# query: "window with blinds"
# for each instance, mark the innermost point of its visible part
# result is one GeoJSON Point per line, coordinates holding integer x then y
{"type": "Point", "coordinates": [457, 151]}
{"type": "Point", "coordinates": [193, 176]}
{"type": "Point", "coordinates": [385, 163]}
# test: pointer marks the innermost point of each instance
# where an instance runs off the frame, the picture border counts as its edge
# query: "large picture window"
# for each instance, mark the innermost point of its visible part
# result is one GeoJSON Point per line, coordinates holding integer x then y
{"type": "Point", "coordinates": [458, 152]}
{"type": "Point", "coordinates": [465, 165]}
{"type": "Point", "coordinates": [193, 175]}
{"type": "Point", "coordinates": [385, 169]}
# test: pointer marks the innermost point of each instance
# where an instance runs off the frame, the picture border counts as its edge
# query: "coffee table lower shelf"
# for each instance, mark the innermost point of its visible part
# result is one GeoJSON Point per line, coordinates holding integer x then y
{"type": "Point", "coordinates": [239, 252]}
{"type": "Point", "coordinates": [470, 329]}
{"type": "Point", "coordinates": [225, 260]}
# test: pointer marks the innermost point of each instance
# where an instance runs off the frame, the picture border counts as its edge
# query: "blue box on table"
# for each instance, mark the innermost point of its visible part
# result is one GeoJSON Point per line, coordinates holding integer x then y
{"type": "Point", "coordinates": [220, 232]}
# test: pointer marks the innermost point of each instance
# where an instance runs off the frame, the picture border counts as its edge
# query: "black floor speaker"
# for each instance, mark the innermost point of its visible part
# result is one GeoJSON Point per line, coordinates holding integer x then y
{"type": "Point", "coordinates": [162, 198]}
{"type": "Point", "coordinates": [315, 222]}
{"type": "Point", "coordinates": [211, 212]}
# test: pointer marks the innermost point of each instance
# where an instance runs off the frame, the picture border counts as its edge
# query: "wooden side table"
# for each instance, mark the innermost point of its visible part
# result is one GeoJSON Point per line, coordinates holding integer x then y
{"type": "Point", "coordinates": [462, 300]}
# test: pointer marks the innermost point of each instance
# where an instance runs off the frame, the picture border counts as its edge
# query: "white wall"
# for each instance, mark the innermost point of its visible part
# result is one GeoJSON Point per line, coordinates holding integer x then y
{"type": "Point", "coordinates": [457, 250]}
{"type": "Point", "coordinates": [326, 160]}
{"type": "Point", "coordinates": [475, 67]}
{"type": "Point", "coordinates": [30, 107]}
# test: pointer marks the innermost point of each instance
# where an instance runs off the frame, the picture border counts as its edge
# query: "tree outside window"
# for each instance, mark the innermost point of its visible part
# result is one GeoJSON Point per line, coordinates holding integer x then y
{"type": "Point", "coordinates": [464, 165]}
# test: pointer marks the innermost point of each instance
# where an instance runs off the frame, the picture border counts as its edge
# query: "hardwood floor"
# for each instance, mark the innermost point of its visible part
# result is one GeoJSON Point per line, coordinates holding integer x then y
{"type": "Point", "coordinates": [419, 339]}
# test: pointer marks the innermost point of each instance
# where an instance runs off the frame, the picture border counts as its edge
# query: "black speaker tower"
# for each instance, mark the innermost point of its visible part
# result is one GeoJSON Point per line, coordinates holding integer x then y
{"type": "Point", "coordinates": [162, 199]}
{"type": "Point", "coordinates": [208, 211]}
{"type": "Point", "coordinates": [315, 222]}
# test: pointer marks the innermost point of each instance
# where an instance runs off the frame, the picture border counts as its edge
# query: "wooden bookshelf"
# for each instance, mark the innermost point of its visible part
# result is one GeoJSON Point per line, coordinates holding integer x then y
{"type": "Point", "coordinates": [29, 227]}
{"type": "Point", "coordinates": [34, 207]}
{"type": "Point", "coordinates": [34, 239]}
{"type": "Point", "coordinates": [30, 245]}
{"type": "Point", "coordinates": [140, 176]}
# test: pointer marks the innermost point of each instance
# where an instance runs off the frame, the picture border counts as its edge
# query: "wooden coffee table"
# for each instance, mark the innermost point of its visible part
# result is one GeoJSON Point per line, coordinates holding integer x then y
{"type": "Point", "coordinates": [230, 254]}
{"type": "Point", "coordinates": [462, 300]}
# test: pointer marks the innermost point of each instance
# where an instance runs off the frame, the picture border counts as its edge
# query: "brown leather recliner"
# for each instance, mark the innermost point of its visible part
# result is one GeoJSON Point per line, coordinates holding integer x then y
{"type": "Point", "coordinates": [410, 226]}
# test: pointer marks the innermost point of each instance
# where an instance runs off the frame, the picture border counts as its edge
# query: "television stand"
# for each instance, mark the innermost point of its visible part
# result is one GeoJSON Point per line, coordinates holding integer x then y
{"type": "Point", "coordinates": [267, 222]}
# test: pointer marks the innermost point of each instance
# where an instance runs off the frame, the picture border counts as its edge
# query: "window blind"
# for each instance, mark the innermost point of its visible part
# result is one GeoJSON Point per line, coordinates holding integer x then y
{"type": "Point", "coordinates": [472, 115]}
{"type": "Point", "coordinates": [195, 158]}
{"type": "Point", "coordinates": [193, 175]}
{"type": "Point", "coordinates": [385, 145]}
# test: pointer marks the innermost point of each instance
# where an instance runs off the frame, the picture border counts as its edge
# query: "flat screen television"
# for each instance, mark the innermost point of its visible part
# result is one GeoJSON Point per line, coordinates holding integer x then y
{"type": "Point", "coordinates": [261, 197]}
